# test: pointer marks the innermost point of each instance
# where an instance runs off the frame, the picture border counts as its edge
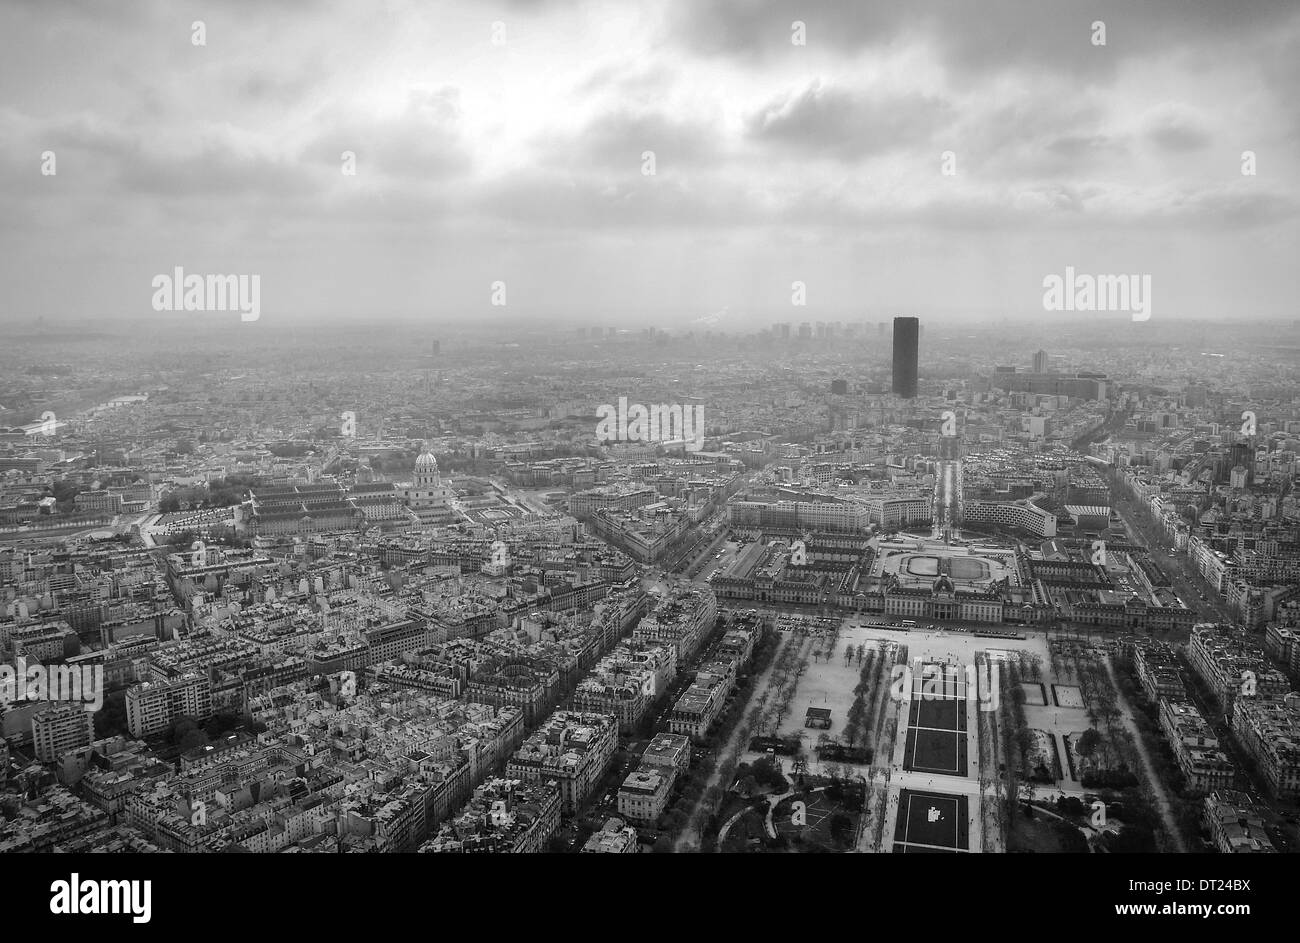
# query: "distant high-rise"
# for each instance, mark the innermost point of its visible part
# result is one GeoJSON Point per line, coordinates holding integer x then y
{"type": "Point", "coordinates": [1040, 362]}
{"type": "Point", "coordinates": [907, 332]}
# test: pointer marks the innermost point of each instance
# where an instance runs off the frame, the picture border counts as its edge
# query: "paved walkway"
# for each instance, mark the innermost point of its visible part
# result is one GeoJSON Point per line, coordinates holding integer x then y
{"type": "Point", "coordinates": [1057, 722]}
{"type": "Point", "coordinates": [726, 826]}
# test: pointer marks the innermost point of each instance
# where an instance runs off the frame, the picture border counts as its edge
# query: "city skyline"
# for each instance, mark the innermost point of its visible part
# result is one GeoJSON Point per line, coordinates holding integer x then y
{"type": "Point", "coordinates": [569, 428]}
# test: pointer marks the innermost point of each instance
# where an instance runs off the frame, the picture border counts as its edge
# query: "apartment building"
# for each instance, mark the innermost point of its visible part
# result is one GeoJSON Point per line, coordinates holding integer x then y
{"type": "Point", "coordinates": [1235, 824]}
{"type": "Point", "coordinates": [669, 749]}
{"type": "Point", "coordinates": [1231, 663]}
{"type": "Point", "coordinates": [1156, 665]}
{"type": "Point", "coordinates": [505, 816]}
{"type": "Point", "coordinates": [1269, 732]}
{"type": "Point", "coordinates": [684, 618]}
{"type": "Point", "coordinates": [700, 704]}
{"type": "Point", "coordinates": [645, 794]}
{"type": "Point", "coordinates": [1204, 766]}
{"type": "Point", "coordinates": [571, 748]}
{"type": "Point", "coordinates": [615, 838]}
{"type": "Point", "coordinates": [151, 706]}
{"type": "Point", "coordinates": [61, 728]}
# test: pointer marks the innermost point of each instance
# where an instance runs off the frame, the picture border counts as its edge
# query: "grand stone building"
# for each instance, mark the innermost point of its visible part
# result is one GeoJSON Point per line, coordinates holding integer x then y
{"type": "Point", "coordinates": [427, 497]}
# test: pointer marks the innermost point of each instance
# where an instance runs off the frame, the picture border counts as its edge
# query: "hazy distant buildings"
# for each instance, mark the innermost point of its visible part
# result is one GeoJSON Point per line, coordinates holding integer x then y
{"type": "Point", "coordinates": [1086, 386]}
{"type": "Point", "coordinates": [907, 332]}
{"type": "Point", "coordinates": [1040, 362]}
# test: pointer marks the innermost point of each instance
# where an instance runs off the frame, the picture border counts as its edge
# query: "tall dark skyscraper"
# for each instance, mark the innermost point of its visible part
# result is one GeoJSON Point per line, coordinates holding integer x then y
{"type": "Point", "coordinates": [907, 331]}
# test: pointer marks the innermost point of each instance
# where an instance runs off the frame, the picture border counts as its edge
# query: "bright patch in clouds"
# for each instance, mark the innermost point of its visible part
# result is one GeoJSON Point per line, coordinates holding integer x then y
{"type": "Point", "coordinates": [522, 160]}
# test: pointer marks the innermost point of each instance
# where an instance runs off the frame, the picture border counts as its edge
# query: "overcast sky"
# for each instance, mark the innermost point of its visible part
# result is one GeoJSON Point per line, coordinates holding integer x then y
{"type": "Point", "coordinates": [522, 161]}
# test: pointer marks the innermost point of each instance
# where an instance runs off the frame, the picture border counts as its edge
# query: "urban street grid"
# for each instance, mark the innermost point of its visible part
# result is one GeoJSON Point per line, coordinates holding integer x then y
{"type": "Point", "coordinates": [756, 428]}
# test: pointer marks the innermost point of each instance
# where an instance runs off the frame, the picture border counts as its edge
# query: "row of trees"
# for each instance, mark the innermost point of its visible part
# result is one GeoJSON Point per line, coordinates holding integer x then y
{"type": "Point", "coordinates": [857, 716]}
{"type": "Point", "coordinates": [1115, 749]}
{"type": "Point", "coordinates": [767, 711]}
{"type": "Point", "coordinates": [186, 733]}
{"type": "Point", "coordinates": [1031, 666]}
{"type": "Point", "coordinates": [700, 797]}
{"type": "Point", "coordinates": [1186, 802]}
{"type": "Point", "coordinates": [761, 775]}
{"type": "Point", "coordinates": [222, 493]}
{"type": "Point", "coordinates": [225, 536]}
{"type": "Point", "coordinates": [1015, 735]}
{"type": "Point", "coordinates": [992, 817]}
{"type": "Point", "coordinates": [784, 681]}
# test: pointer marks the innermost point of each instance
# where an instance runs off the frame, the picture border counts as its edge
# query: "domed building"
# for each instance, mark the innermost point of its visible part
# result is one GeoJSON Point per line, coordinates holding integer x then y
{"type": "Point", "coordinates": [427, 464]}
{"type": "Point", "coordinates": [427, 497]}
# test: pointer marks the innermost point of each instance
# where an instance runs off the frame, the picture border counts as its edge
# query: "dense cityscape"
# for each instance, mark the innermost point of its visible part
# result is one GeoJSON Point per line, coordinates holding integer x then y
{"type": "Point", "coordinates": [674, 428]}
{"type": "Point", "coordinates": [911, 587]}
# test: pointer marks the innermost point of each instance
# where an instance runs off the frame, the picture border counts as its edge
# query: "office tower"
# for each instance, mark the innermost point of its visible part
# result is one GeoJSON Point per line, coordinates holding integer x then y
{"type": "Point", "coordinates": [906, 334]}
{"type": "Point", "coordinates": [1040, 362]}
{"type": "Point", "coordinates": [1242, 455]}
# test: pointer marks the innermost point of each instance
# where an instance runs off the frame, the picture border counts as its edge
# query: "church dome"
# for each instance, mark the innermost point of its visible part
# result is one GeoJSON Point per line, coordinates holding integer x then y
{"type": "Point", "coordinates": [426, 460]}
